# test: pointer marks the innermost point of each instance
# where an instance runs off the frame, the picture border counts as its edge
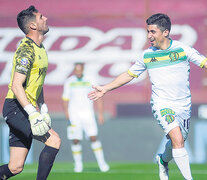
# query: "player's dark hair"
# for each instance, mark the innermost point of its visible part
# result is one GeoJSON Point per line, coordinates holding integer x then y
{"type": "Point", "coordinates": [24, 17]}
{"type": "Point", "coordinates": [161, 20]}
{"type": "Point", "coordinates": [79, 63]}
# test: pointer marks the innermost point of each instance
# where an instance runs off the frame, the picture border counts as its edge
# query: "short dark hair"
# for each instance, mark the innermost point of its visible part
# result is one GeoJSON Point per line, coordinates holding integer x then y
{"type": "Point", "coordinates": [24, 17]}
{"type": "Point", "coordinates": [161, 20]}
{"type": "Point", "coordinates": [79, 63]}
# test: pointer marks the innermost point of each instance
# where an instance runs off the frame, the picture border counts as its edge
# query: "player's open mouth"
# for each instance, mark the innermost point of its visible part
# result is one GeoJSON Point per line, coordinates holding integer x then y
{"type": "Point", "coordinates": [152, 42]}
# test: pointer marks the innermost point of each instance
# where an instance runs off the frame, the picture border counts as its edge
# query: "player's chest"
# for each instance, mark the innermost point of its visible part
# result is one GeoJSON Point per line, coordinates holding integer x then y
{"type": "Point", "coordinates": [41, 59]}
{"type": "Point", "coordinates": [164, 58]}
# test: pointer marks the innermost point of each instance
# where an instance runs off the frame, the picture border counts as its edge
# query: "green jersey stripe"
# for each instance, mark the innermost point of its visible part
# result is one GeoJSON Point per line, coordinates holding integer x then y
{"type": "Point", "coordinates": [77, 84]}
{"type": "Point", "coordinates": [162, 53]}
{"type": "Point", "coordinates": [168, 62]}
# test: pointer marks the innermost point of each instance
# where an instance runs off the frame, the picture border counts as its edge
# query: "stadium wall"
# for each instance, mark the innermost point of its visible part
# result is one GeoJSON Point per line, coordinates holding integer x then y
{"type": "Point", "coordinates": [108, 36]}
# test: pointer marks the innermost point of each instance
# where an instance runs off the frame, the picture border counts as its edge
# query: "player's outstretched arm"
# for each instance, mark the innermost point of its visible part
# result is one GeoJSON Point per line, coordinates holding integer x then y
{"type": "Point", "coordinates": [98, 92]}
{"type": "Point", "coordinates": [119, 81]}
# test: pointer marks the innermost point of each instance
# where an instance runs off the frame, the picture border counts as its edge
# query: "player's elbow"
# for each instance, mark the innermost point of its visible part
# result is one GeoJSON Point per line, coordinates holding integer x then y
{"type": "Point", "coordinates": [16, 87]}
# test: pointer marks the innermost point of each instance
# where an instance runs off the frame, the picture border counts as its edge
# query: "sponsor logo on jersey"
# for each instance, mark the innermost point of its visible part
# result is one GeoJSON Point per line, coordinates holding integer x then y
{"type": "Point", "coordinates": [24, 61]}
{"type": "Point", "coordinates": [21, 69]}
{"type": "Point", "coordinates": [153, 59]}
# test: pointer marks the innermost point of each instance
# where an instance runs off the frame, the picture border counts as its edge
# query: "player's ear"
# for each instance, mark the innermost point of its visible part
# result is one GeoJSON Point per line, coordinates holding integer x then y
{"type": "Point", "coordinates": [166, 32]}
{"type": "Point", "coordinates": [33, 26]}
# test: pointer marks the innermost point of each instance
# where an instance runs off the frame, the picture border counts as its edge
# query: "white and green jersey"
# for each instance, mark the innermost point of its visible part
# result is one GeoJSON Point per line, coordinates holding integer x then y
{"type": "Point", "coordinates": [76, 92]}
{"type": "Point", "coordinates": [169, 73]}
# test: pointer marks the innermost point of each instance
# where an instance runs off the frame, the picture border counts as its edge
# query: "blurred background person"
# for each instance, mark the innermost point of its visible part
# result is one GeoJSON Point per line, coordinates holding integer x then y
{"type": "Point", "coordinates": [79, 112]}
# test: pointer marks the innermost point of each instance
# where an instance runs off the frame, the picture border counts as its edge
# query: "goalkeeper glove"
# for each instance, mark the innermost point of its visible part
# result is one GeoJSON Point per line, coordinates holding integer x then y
{"type": "Point", "coordinates": [38, 125]}
{"type": "Point", "coordinates": [46, 116]}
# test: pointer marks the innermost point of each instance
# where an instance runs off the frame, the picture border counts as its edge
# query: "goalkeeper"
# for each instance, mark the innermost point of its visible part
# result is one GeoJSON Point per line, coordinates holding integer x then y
{"type": "Point", "coordinates": [25, 93]}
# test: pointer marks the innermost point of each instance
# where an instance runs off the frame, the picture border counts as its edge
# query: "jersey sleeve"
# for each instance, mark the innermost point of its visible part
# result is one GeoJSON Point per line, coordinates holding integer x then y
{"type": "Point", "coordinates": [195, 57]}
{"type": "Point", "coordinates": [137, 68]}
{"type": "Point", "coordinates": [25, 57]}
{"type": "Point", "coordinates": [66, 90]}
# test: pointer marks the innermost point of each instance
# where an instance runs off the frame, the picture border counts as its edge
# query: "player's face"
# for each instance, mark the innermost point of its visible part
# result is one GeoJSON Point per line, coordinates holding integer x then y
{"type": "Point", "coordinates": [156, 36]}
{"type": "Point", "coordinates": [78, 70]}
{"type": "Point", "coordinates": [41, 22]}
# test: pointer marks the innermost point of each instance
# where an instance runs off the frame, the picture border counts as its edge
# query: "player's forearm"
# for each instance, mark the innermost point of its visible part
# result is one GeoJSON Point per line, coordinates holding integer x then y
{"type": "Point", "coordinates": [20, 94]}
{"type": "Point", "coordinates": [119, 81]}
{"type": "Point", "coordinates": [18, 90]}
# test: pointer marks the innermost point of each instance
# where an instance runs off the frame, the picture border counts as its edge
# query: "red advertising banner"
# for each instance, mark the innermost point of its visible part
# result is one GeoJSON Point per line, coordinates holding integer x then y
{"type": "Point", "coordinates": [106, 35]}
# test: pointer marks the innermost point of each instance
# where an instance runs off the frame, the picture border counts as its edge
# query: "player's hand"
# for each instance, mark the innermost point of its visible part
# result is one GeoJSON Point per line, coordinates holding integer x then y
{"type": "Point", "coordinates": [46, 116]}
{"type": "Point", "coordinates": [38, 125]}
{"type": "Point", "coordinates": [98, 92]}
{"type": "Point", "coordinates": [47, 119]}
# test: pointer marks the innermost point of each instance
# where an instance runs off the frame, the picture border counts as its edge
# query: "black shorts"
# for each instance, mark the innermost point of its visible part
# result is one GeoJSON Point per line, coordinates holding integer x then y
{"type": "Point", "coordinates": [20, 134]}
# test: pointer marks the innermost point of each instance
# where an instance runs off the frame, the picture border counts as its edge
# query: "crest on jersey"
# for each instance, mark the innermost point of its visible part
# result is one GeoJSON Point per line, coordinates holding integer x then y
{"type": "Point", "coordinates": [174, 56]}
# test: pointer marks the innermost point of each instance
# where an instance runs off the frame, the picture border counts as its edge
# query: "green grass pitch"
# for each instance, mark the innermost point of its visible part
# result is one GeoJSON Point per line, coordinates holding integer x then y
{"type": "Point", "coordinates": [118, 171]}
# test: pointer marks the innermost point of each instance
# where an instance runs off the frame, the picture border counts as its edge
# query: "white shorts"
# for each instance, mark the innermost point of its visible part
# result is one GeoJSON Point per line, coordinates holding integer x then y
{"type": "Point", "coordinates": [169, 118]}
{"type": "Point", "coordinates": [86, 124]}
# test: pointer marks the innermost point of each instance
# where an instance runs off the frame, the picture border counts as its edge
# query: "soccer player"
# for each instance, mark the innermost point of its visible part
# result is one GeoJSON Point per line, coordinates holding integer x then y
{"type": "Point", "coordinates": [25, 92]}
{"type": "Point", "coordinates": [168, 65]}
{"type": "Point", "coordinates": [79, 112]}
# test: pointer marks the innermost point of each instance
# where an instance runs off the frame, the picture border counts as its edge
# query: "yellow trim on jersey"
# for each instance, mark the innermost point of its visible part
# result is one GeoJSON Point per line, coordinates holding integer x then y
{"type": "Point", "coordinates": [131, 74]}
{"type": "Point", "coordinates": [65, 99]}
{"type": "Point", "coordinates": [72, 125]}
{"type": "Point", "coordinates": [203, 62]}
{"type": "Point", "coordinates": [32, 61]}
{"type": "Point", "coordinates": [77, 152]}
{"type": "Point", "coordinates": [97, 149]}
{"type": "Point", "coordinates": [163, 58]}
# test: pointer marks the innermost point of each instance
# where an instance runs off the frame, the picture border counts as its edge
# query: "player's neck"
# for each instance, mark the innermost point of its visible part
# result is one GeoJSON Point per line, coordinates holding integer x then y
{"type": "Point", "coordinates": [166, 44]}
{"type": "Point", "coordinates": [37, 38]}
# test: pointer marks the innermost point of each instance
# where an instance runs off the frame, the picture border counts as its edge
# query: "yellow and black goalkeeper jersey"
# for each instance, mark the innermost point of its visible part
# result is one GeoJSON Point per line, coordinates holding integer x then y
{"type": "Point", "coordinates": [31, 60]}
